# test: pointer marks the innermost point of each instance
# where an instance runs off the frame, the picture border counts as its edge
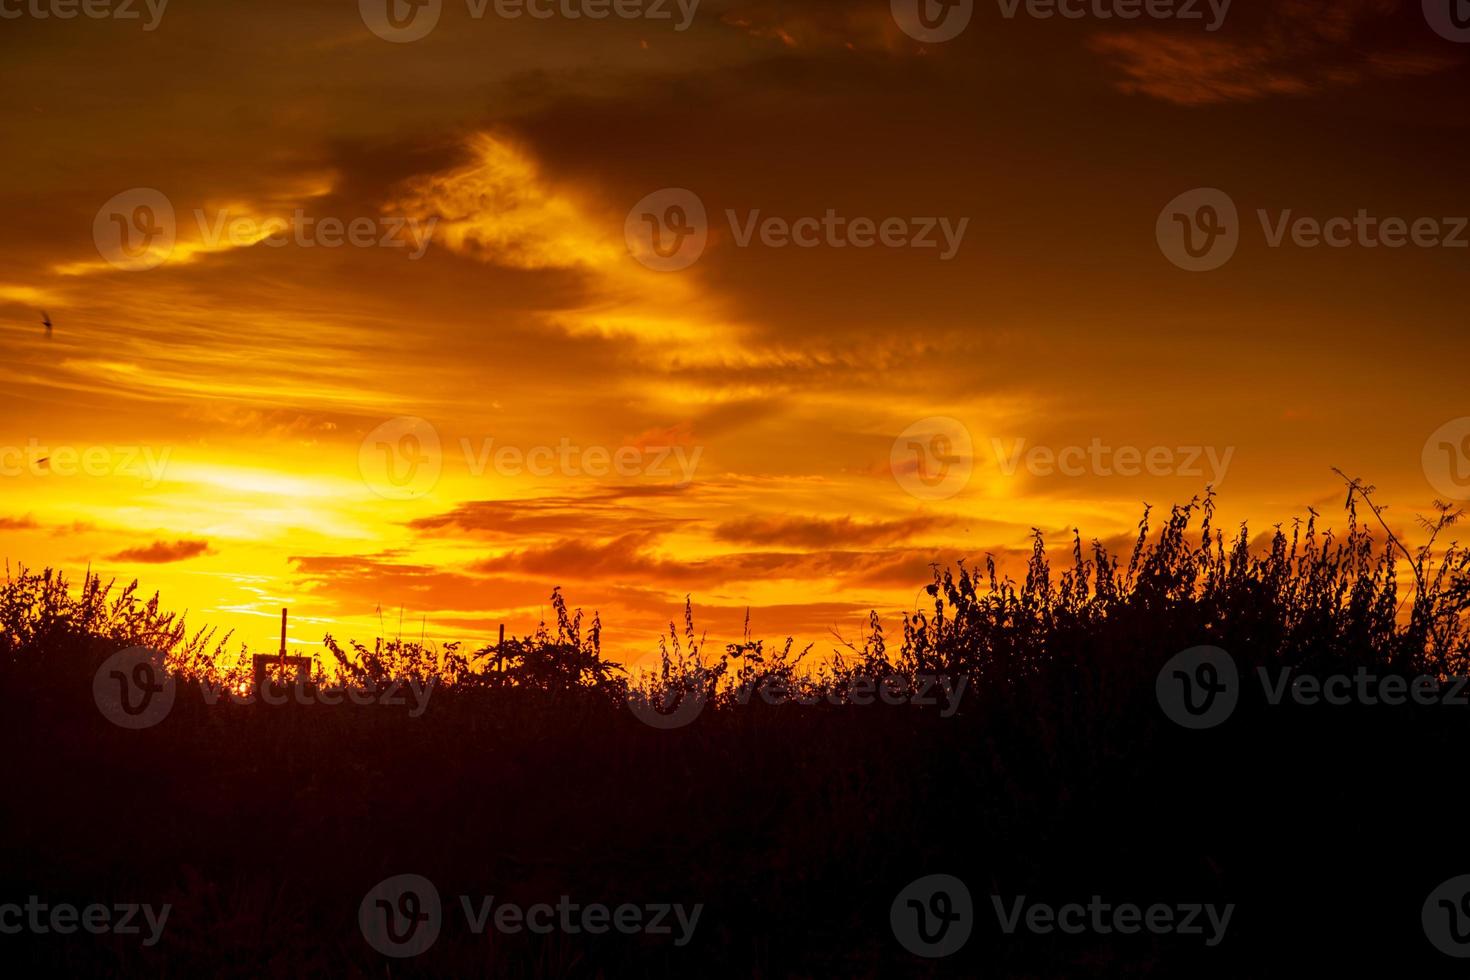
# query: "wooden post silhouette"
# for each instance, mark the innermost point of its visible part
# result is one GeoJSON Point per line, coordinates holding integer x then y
{"type": "Point", "coordinates": [261, 663]}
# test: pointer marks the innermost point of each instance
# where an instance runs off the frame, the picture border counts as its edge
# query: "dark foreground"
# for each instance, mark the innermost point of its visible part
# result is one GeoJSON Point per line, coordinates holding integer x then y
{"type": "Point", "coordinates": [1259, 840]}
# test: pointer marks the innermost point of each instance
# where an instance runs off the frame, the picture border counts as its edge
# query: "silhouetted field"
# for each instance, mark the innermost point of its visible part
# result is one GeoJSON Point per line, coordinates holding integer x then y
{"type": "Point", "coordinates": [533, 772]}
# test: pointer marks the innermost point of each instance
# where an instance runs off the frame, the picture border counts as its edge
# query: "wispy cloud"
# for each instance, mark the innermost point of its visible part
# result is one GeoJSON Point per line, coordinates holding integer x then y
{"type": "Point", "coordinates": [1303, 47]}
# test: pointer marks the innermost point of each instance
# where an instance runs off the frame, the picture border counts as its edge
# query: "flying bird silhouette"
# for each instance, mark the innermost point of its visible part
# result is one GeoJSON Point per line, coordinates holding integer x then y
{"type": "Point", "coordinates": [46, 322]}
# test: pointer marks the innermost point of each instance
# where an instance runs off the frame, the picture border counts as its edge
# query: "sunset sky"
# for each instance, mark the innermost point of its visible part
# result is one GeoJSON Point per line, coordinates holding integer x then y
{"type": "Point", "coordinates": [243, 390]}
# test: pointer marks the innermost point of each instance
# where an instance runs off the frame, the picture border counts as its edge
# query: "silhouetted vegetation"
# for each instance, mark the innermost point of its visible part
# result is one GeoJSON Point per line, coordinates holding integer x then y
{"type": "Point", "coordinates": [1057, 775]}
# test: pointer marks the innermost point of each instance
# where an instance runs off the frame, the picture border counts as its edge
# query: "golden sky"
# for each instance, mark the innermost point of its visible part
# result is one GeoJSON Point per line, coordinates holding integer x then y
{"type": "Point", "coordinates": [220, 409]}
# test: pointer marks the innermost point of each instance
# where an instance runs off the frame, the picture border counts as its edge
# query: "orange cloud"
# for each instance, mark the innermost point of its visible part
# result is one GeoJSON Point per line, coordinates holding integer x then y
{"type": "Point", "coordinates": [603, 512]}
{"type": "Point", "coordinates": [817, 532]}
{"type": "Point", "coordinates": [162, 552]}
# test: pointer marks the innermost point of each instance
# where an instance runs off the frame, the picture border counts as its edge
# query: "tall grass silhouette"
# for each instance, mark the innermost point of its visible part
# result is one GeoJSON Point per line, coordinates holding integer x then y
{"type": "Point", "coordinates": [795, 823]}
